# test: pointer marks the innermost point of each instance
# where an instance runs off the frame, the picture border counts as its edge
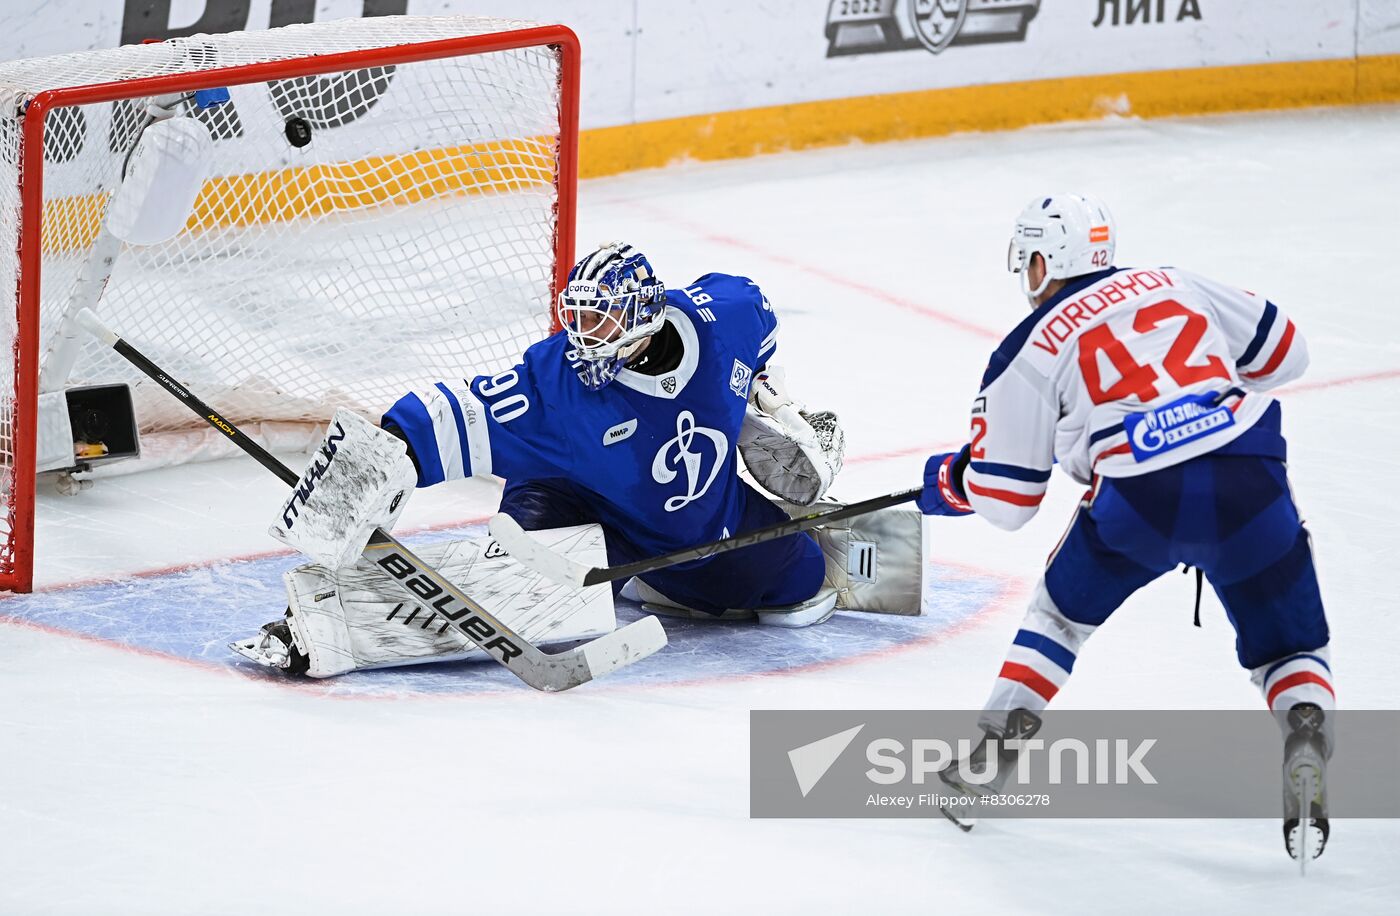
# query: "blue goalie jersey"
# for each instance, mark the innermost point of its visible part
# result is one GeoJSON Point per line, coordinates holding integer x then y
{"type": "Point", "coordinates": [657, 451]}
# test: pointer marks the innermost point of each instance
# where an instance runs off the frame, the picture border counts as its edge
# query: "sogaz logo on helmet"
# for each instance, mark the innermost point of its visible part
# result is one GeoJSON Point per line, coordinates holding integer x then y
{"type": "Point", "coordinates": [876, 26]}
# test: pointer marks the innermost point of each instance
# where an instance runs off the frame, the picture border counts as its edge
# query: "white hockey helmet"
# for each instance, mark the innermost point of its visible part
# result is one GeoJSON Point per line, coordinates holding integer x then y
{"type": "Point", "coordinates": [1075, 235]}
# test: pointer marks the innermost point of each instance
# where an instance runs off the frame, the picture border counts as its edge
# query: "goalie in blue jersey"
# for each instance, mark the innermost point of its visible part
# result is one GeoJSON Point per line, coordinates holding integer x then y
{"type": "Point", "coordinates": [621, 428]}
{"type": "Point", "coordinates": [629, 419]}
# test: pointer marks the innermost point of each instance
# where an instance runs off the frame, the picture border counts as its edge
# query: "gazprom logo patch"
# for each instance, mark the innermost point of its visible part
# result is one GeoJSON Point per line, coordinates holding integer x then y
{"type": "Point", "coordinates": [1162, 429]}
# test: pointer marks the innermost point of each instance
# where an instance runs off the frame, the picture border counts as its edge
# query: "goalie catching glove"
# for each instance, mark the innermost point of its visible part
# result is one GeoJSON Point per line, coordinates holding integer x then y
{"type": "Point", "coordinates": [359, 480]}
{"type": "Point", "coordinates": [791, 452]}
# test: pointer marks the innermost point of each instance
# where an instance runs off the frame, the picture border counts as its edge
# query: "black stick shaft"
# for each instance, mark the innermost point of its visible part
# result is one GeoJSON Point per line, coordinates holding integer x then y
{"type": "Point", "coordinates": [749, 538]}
{"type": "Point", "coordinates": [210, 415]}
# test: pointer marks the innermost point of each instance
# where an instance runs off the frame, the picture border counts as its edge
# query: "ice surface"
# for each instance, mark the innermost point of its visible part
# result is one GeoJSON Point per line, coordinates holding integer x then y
{"type": "Point", "coordinates": [147, 771]}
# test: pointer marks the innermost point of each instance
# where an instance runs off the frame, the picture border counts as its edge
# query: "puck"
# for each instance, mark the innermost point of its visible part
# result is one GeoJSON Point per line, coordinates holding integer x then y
{"type": "Point", "coordinates": [298, 132]}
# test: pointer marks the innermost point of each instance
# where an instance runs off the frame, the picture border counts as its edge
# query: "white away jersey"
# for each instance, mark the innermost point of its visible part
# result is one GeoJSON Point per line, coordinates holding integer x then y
{"type": "Point", "coordinates": [658, 452]}
{"type": "Point", "coordinates": [1123, 372]}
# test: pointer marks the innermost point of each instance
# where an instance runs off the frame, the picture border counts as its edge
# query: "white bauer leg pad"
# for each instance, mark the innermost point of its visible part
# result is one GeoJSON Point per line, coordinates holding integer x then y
{"type": "Point", "coordinates": [791, 452]}
{"type": "Point", "coordinates": [359, 480]}
{"type": "Point", "coordinates": [875, 562]}
{"type": "Point", "coordinates": [349, 619]}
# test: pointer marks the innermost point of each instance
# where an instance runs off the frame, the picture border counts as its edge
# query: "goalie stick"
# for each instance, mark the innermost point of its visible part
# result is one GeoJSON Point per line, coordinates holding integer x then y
{"type": "Point", "coordinates": [561, 569]}
{"type": "Point", "coordinates": [420, 583]}
{"type": "Point", "coordinates": [145, 217]}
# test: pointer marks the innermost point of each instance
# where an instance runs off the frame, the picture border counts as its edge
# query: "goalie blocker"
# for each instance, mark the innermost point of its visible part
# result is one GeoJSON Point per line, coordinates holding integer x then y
{"type": "Point", "coordinates": [360, 480]}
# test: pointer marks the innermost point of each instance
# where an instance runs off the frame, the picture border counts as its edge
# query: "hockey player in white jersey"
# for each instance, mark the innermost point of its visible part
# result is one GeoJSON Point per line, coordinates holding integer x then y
{"type": "Point", "coordinates": [1148, 386]}
{"type": "Point", "coordinates": [621, 433]}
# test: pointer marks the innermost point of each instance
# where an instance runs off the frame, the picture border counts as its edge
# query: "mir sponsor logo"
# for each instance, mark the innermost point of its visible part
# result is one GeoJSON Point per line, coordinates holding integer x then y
{"type": "Point", "coordinates": [1117, 761]}
{"type": "Point", "coordinates": [313, 474]}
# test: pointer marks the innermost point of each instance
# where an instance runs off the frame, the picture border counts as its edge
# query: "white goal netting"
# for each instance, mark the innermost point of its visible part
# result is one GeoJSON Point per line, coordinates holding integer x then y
{"type": "Point", "coordinates": [414, 237]}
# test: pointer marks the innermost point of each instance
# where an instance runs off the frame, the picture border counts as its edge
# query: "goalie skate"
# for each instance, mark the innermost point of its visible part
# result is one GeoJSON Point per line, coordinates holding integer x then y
{"type": "Point", "coordinates": [273, 647]}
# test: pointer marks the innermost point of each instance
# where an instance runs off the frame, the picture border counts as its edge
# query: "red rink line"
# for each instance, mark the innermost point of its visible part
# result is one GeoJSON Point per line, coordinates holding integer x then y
{"type": "Point", "coordinates": [1322, 384]}
{"type": "Point", "coordinates": [833, 279]}
{"type": "Point", "coordinates": [1008, 595]}
{"type": "Point", "coordinates": [904, 452]}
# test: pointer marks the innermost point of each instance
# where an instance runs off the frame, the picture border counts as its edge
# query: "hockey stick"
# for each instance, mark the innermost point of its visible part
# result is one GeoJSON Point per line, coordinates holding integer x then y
{"type": "Point", "coordinates": [561, 569]}
{"type": "Point", "coordinates": [420, 583]}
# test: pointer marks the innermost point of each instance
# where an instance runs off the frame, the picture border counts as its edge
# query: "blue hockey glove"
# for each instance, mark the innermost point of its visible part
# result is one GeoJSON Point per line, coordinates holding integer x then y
{"type": "Point", "coordinates": [943, 493]}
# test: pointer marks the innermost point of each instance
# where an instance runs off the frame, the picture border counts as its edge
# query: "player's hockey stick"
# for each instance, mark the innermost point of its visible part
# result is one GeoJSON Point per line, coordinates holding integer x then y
{"type": "Point", "coordinates": [561, 569]}
{"type": "Point", "coordinates": [422, 584]}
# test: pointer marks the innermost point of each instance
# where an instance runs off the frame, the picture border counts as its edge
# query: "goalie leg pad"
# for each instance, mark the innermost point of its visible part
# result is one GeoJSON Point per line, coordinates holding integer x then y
{"type": "Point", "coordinates": [359, 480]}
{"type": "Point", "coordinates": [875, 561]}
{"type": "Point", "coordinates": [350, 619]}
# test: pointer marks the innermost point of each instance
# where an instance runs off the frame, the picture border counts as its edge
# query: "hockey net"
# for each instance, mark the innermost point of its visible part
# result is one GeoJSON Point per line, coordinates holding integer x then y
{"type": "Point", "coordinates": [420, 234]}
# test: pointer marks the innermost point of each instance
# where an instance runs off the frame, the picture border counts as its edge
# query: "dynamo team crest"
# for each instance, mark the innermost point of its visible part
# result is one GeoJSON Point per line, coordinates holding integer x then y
{"type": "Point", "coordinates": [937, 22]}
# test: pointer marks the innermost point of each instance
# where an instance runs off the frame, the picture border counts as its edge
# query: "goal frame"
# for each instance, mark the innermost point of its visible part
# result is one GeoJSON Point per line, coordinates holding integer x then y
{"type": "Point", "coordinates": [31, 190]}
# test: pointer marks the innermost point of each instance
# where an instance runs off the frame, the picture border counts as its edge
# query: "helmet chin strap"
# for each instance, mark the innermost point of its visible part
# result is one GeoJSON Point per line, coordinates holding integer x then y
{"type": "Point", "coordinates": [1031, 294]}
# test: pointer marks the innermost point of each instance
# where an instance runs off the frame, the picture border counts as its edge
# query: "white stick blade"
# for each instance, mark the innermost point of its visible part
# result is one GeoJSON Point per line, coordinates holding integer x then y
{"type": "Point", "coordinates": [163, 179]}
{"type": "Point", "coordinates": [529, 552]}
{"type": "Point", "coordinates": [624, 646]}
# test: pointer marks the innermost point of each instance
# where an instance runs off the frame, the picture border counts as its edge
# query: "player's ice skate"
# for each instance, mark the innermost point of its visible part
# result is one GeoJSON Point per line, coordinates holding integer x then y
{"type": "Point", "coordinates": [1305, 823]}
{"type": "Point", "coordinates": [997, 749]}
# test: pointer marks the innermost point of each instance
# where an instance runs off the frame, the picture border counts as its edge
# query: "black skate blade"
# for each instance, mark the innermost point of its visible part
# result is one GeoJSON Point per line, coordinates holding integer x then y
{"type": "Point", "coordinates": [963, 824]}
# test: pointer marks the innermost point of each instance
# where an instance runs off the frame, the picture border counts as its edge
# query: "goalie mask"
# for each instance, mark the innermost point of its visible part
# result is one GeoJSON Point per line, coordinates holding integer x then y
{"type": "Point", "coordinates": [1074, 235]}
{"type": "Point", "coordinates": [612, 303]}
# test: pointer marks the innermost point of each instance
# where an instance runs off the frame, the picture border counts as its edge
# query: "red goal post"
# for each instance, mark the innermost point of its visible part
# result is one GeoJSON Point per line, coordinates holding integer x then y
{"type": "Point", "coordinates": [444, 220]}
